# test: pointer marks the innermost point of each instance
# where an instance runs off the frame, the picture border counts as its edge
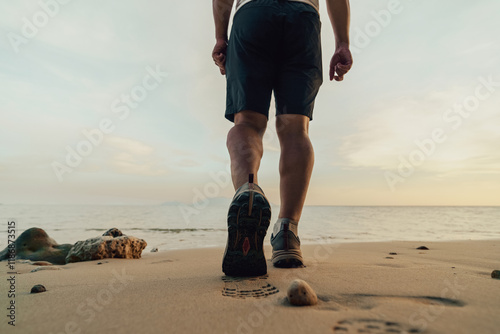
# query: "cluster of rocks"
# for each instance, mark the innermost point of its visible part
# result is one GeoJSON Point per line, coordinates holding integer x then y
{"type": "Point", "coordinates": [34, 244]}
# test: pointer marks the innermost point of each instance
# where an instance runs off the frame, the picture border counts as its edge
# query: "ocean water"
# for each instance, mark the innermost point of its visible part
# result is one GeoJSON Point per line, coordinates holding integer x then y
{"type": "Point", "coordinates": [181, 226]}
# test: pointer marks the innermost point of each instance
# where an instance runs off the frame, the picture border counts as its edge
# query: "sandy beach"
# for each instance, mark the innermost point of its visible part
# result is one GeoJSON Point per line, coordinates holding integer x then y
{"type": "Point", "coordinates": [362, 288]}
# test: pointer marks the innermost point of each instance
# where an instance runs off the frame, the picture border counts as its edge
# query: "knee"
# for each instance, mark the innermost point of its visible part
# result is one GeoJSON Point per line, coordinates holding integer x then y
{"type": "Point", "coordinates": [251, 120]}
{"type": "Point", "coordinates": [292, 127]}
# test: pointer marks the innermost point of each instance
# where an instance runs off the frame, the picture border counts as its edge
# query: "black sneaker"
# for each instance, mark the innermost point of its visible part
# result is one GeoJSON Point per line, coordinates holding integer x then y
{"type": "Point", "coordinates": [248, 219]}
{"type": "Point", "coordinates": [286, 245]}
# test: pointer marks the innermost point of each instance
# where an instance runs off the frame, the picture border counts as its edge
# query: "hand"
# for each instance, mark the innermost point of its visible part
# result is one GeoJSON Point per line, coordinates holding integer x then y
{"type": "Point", "coordinates": [219, 55]}
{"type": "Point", "coordinates": [341, 63]}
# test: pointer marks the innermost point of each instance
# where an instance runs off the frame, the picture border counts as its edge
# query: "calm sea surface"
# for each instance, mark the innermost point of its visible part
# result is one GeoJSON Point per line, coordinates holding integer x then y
{"type": "Point", "coordinates": [181, 226]}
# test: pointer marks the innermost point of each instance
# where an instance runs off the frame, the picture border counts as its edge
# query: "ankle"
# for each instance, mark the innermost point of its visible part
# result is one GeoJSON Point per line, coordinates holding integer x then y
{"type": "Point", "coordinates": [292, 225]}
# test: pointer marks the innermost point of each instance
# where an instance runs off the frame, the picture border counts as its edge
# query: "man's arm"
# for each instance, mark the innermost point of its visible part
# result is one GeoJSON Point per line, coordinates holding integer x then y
{"type": "Point", "coordinates": [339, 13]}
{"type": "Point", "coordinates": [222, 13]}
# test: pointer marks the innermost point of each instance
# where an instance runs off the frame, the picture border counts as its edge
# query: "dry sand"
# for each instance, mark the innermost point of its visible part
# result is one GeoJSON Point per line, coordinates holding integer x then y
{"type": "Point", "coordinates": [362, 289]}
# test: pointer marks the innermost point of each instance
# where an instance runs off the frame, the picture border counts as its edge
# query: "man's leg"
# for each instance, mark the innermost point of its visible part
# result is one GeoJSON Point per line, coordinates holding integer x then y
{"type": "Point", "coordinates": [244, 143]}
{"type": "Point", "coordinates": [249, 214]}
{"type": "Point", "coordinates": [296, 163]}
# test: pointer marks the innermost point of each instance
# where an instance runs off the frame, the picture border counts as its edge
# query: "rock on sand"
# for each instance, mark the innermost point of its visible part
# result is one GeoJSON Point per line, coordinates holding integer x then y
{"type": "Point", "coordinates": [301, 294]}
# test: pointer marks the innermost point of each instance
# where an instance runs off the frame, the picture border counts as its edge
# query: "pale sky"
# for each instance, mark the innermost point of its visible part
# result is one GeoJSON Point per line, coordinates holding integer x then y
{"type": "Point", "coordinates": [427, 73]}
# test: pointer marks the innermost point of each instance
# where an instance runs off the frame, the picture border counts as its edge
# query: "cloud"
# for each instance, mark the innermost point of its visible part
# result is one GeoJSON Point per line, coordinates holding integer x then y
{"type": "Point", "coordinates": [133, 157]}
{"type": "Point", "coordinates": [132, 147]}
{"type": "Point", "coordinates": [393, 130]}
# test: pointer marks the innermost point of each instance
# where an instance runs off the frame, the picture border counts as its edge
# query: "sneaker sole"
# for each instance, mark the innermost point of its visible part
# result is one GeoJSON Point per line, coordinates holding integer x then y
{"type": "Point", "coordinates": [287, 259]}
{"type": "Point", "coordinates": [248, 219]}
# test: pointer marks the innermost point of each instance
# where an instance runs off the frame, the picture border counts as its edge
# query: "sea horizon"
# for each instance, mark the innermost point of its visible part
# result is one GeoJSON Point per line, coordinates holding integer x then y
{"type": "Point", "coordinates": [178, 227]}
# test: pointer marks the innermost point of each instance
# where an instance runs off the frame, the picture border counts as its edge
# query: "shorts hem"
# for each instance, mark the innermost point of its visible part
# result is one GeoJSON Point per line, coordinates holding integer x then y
{"type": "Point", "coordinates": [230, 114]}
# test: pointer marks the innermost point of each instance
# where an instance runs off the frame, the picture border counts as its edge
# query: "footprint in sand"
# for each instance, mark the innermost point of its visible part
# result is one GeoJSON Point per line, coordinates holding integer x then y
{"type": "Point", "coordinates": [371, 326]}
{"type": "Point", "coordinates": [247, 287]}
{"type": "Point", "coordinates": [370, 301]}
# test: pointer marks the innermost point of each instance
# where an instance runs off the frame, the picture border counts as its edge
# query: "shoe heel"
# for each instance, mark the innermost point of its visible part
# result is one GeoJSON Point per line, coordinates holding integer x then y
{"type": "Point", "coordinates": [251, 195]}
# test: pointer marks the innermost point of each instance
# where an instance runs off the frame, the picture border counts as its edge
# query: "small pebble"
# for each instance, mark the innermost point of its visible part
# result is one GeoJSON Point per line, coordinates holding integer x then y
{"type": "Point", "coordinates": [423, 247]}
{"type": "Point", "coordinates": [301, 294]}
{"type": "Point", "coordinates": [393, 253]}
{"type": "Point", "coordinates": [154, 250]}
{"type": "Point", "coordinates": [389, 257]}
{"type": "Point", "coordinates": [38, 288]}
{"type": "Point", "coordinates": [495, 274]}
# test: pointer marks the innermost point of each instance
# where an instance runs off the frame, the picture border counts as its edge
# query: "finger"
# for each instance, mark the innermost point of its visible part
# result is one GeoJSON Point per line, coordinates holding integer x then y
{"type": "Point", "coordinates": [333, 63]}
{"type": "Point", "coordinates": [343, 69]}
{"type": "Point", "coordinates": [220, 61]}
{"type": "Point", "coordinates": [217, 54]}
{"type": "Point", "coordinates": [222, 64]}
{"type": "Point", "coordinates": [341, 72]}
{"type": "Point", "coordinates": [332, 72]}
{"type": "Point", "coordinates": [218, 57]}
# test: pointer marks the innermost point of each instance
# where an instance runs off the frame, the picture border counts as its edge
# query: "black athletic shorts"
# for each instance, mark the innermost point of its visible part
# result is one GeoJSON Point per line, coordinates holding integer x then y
{"type": "Point", "coordinates": [275, 46]}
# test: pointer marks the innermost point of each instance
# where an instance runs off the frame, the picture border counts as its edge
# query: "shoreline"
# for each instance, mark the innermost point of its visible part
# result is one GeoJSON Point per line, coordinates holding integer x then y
{"type": "Point", "coordinates": [166, 228]}
{"type": "Point", "coordinates": [446, 289]}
